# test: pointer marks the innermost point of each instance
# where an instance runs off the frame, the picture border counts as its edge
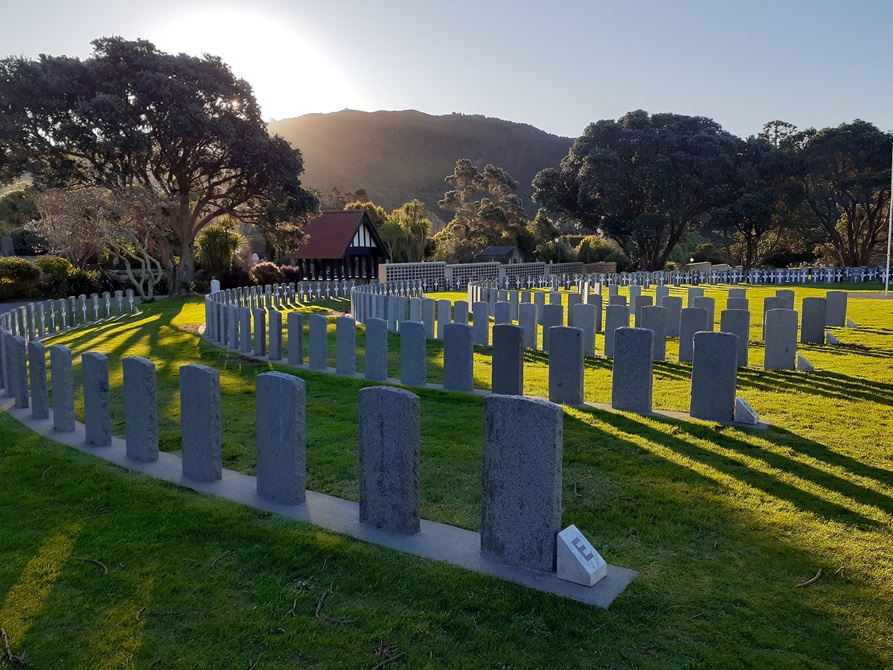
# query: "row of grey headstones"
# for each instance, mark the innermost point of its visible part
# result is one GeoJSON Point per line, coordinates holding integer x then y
{"type": "Point", "coordinates": [38, 319]}
{"type": "Point", "coordinates": [521, 484]}
{"type": "Point", "coordinates": [276, 296]}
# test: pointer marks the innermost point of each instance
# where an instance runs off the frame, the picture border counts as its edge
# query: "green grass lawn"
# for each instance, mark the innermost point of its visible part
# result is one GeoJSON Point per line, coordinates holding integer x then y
{"type": "Point", "coordinates": [722, 523]}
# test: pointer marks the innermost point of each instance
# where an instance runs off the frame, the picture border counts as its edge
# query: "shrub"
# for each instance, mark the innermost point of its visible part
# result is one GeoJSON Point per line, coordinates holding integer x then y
{"type": "Point", "coordinates": [19, 279]}
{"type": "Point", "coordinates": [234, 278]}
{"type": "Point", "coordinates": [54, 266]}
{"type": "Point", "coordinates": [266, 273]}
{"type": "Point", "coordinates": [292, 273]}
{"type": "Point", "coordinates": [81, 282]}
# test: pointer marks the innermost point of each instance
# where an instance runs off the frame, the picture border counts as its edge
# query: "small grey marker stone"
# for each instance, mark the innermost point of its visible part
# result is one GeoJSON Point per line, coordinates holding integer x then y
{"type": "Point", "coordinates": [804, 365]}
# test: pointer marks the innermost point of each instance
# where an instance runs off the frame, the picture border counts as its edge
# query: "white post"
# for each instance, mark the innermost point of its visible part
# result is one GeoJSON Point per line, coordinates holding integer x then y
{"type": "Point", "coordinates": [889, 229]}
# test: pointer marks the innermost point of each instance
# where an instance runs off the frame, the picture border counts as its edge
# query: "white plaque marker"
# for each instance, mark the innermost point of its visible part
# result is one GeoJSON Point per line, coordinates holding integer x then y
{"type": "Point", "coordinates": [744, 413]}
{"type": "Point", "coordinates": [578, 561]}
{"type": "Point", "coordinates": [804, 365]}
{"type": "Point", "coordinates": [850, 323]}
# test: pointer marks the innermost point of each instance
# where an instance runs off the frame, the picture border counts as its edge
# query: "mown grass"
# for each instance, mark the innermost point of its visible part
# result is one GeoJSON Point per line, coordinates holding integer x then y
{"type": "Point", "coordinates": [722, 522]}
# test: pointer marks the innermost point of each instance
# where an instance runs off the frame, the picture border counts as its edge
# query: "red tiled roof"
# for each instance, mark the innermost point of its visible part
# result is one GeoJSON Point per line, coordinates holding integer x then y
{"type": "Point", "coordinates": [330, 235]}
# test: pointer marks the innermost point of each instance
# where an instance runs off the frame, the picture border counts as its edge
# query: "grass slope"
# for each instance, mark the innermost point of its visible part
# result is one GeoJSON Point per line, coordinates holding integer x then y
{"type": "Point", "coordinates": [722, 522]}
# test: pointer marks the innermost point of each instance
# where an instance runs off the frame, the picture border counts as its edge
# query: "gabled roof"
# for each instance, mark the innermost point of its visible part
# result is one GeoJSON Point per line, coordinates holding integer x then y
{"type": "Point", "coordinates": [497, 251]}
{"type": "Point", "coordinates": [331, 234]}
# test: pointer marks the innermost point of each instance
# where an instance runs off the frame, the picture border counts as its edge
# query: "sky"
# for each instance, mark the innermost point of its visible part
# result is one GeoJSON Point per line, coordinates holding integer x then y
{"type": "Point", "coordinates": [555, 64]}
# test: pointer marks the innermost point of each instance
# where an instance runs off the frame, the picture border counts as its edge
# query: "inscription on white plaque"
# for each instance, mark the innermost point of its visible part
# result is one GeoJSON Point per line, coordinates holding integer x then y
{"type": "Point", "coordinates": [577, 560]}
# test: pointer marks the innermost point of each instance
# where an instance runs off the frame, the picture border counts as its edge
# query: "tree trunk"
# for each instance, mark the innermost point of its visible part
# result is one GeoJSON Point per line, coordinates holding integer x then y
{"type": "Point", "coordinates": [184, 272]}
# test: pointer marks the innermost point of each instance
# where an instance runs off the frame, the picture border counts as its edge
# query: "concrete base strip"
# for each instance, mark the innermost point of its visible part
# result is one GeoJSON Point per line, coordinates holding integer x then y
{"type": "Point", "coordinates": [435, 541]}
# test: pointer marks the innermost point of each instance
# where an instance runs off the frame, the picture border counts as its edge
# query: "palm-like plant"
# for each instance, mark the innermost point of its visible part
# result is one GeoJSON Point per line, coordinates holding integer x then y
{"type": "Point", "coordinates": [216, 246]}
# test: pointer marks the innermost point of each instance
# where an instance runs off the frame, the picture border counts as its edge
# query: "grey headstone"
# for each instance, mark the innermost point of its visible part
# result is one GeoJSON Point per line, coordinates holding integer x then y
{"type": "Point", "coordinates": [63, 388]}
{"type": "Point", "coordinates": [460, 312]}
{"type": "Point", "coordinates": [616, 316]}
{"type": "Point", "coordinates": [566, 365]}
{"type": "Point", "coordinates": [480, 323]}
{"type": "Point", "coordinates": [37, 368]}
{"type": "Point", "coordinates": [521, 481]}
{"type": "Point", "coordinates": [555, 298]}
{"type": "Point", "coordinates": [812, 321]}
{"type": "Point", "coordinates": [7, 248]}
{"type": "Point", "coordinates": [634, 292]}
{"type": "Point", "coordinates": [654, 318]}
{"type": "Point", "coordinates": [233, 327]}
{"type": "Point", "coordinates": [631, 382]}
{"type": "Point", "coordinates": [502, 313]}
{"type": "Point", "coordinates": [738, 303]}
{"type": "Point", "coordinates": [392, 313]}
{"type": "Point", "coordinates": [275, 352]}
{"type": "Point", "coordinates": [738, 293]}
{"type": "Point", "coordinates": [281, 417]}
{"type": "Point", "coordinates": [673, 305]}
{"type": "Point", "coordinates": [714, 373]}
{"type": "Point", "coordinates": [573, 299]}
{"type": "Point", "coordinates": [710, 305]}
{"type": "Point", "coordinates": [527, 321]}
{"type": "Point", "coordinates": [200, 423]}
{"type": "Point", "coordinates": [376, 361]}
{"type": "Point", "coordinates": [428, 317]}
{"type": "Point", "coordinates": [773, 302]}
{"type": "Point", "coordinates": [693, 320]}
{"type": "Point", "coordinates": [584, 319]}
{"type": "Point", "coordinates": [539, 298]}
{"type": "Point", "coordinates": [260, 331]}
{"type": "Point", "coordinates": [553, 315]}
{"type": "Point", "coordinates": [444, 316]}
{"type": "Point", "coordinates": [513, 305]}
{"type": "Point", "coordinates": [787, 295]}
{"type": "Point", "coordinates": [613, 289]}
{"type": "Point", "coordinates": [295, 323]}
{"type": "Point", "coordinates": [97, 406]}
{"type": "Point", "coordinates": [640, 302]}
{"type": "Point", "coordinates": [345, 346]}
{"type": "Point", "coordinates": [18, 358]}
{"type": "Point", "coordinates": [413, 354]}
{"type": "Point", "coordinates": [595, 299]}
{"type": "Point", "coordinates": [737, 321]}
{"type": "Point", "coordinates": [660, 292]}
{"type": "Point", "coordinates": [508, 359]}
{"type": "Point", "coordinates": [415, 309]}
{"type": "Point", "coordinates": [318, 343]}
{"type": "Point", "coordinates": [835, 309]}
{"type": "Point", "coordinates": [245, 339]}
{"type": "Point", "coordinates": [781, 340]}
{"type": "Point", "coordinates": [458, 357]}
{"type": "Point", "coordinates": [389, 458]}
{"type": "Point", "coordinates": [694, 292]}
{"type": "Point", "coordinates": [140, 409]}
{"type": "Point", "coordinates": [617, 300]}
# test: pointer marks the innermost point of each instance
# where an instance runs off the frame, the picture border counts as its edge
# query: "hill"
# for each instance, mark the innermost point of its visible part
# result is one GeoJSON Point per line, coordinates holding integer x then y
{"type": "Point", "coordinates": [397, 156]}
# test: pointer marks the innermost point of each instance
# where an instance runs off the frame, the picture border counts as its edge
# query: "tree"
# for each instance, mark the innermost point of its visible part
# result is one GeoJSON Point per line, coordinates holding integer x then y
{"type": "Point", "coordinates": [128, 224]}
{"type": "Point", "coordinates": [216, 247]}
{"type": "Point", "coordinates": [406, 232]}
{"type": "Point", "coordinates": [845, 176]}
{"type": "Point", "coordinates": [765, 195]}
{"type": "Point", "coordinates": [485, 209]}
{"type": "Point", "coordinates": [180, 126]}
{"type": "Point", "coordinates": [643, 180]}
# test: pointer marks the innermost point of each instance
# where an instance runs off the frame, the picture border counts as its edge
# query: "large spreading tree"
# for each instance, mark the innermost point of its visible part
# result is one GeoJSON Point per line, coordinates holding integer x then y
{"type": "Point", "coordinates": [643, 180]}
{"type": "Point", "coordinates": [130, 115]}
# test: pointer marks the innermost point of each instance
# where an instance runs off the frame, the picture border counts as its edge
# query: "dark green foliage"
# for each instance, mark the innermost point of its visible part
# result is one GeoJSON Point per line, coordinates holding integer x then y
{"type": "Point", "coordinates": [134, 115]}
{"type": "Point", "coordinates": [643, 180]}
{"type": "Point", "coordinates": [266, 273]}
{"type": "Point", "coordinates": [81, 282]}
{"type": "Point", "coordinates": [19, 279]}
{"type": "Point", "coordinates": [594, 249]}
{"type": "Point", "coordinates": [710, 254]}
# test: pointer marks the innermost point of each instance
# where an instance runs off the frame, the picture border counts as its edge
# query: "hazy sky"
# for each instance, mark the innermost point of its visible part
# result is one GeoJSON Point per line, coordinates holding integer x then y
{"type": "Point", "coordinates": [555, 64]}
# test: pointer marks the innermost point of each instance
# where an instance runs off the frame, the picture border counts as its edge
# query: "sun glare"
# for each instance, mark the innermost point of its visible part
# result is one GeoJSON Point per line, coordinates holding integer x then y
{"type": "Point", "coordinates": [289, 75]}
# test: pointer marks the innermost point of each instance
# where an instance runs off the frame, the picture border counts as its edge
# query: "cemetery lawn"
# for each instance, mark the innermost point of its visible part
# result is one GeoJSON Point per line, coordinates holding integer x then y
{"type": "Point", "coordinates": [104, 568]}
